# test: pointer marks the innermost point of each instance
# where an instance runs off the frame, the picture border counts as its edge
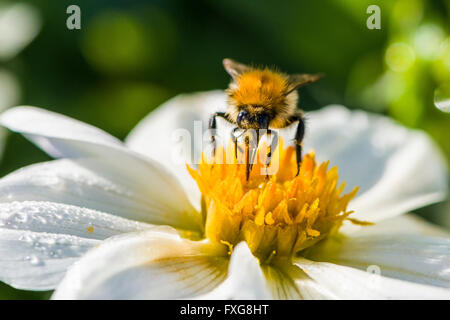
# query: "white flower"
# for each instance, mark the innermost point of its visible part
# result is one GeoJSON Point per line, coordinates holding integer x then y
{"type": "Point", "coordinates": [100, 212]}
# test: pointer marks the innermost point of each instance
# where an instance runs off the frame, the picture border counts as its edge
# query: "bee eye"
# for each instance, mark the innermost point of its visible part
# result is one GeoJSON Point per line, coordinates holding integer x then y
{"type": "Point", "coordinates": [263, 121]}
{"type": "Point", "coordinates": [242, 116]}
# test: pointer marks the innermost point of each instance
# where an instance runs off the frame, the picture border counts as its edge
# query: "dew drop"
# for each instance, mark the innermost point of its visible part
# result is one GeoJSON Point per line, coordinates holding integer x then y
{"type": "Point", "coordinates": [42, 220]}
{"type": "Point", "coordinates": [442, 98]}
{"type": "Point", "coordinates": [26, 238]}
{"type": "Point", "coordinates": [35, 261]}
{"type": "Point", "coordinates": [20, 218]}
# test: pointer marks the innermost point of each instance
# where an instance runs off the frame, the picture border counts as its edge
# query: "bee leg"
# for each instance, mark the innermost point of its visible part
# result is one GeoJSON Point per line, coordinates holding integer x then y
{"type": "Point", "coordinates": [255, 152]}
{"type": "Point", "coordinates": [247, 157]}
{"type": "Point", "coordinates": [254, 147]}
{"type": "Point", "coordinates": [273, 138]}
{"type": "Point", "coordinates": [213, 126]}
{"type": "Point", "coordinates": [257, 138]}
{"type": "Point", "coordinates": [299, 134]}
{"type": "Point", "coordinates": [234, 138]}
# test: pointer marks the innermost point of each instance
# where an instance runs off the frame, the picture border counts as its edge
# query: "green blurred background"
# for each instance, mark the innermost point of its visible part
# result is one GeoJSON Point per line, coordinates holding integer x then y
{"type": "Point", "coordinates": [130, 56]}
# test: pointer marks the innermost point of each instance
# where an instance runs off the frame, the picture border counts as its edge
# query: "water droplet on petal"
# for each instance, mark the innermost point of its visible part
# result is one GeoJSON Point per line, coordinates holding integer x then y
{"type": "Point", "coordinates": [442, 98]}
{"type": "Point", "coordinates": [26, 238]}
{"type": "Point", "coordinates": [35, 261]}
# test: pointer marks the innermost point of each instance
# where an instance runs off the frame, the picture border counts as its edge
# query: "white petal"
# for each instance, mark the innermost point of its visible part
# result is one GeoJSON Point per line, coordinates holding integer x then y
{"type": "Point", "coordinates": [127, 189]}
{"type": "Point", "coordinates": [397, 169]}
{"type": "Point", "coordinates": [38, 260]}
{"type": "Point", "coordinates": [245, 278]}
{"type": "Point", "coordinates": [281, 284]}
{"type": "Point", "coordinates": [289, 282]}
{"type": "Point", "coordinates": [350, 283]}
{"type": "Point", "coordinates": [40, 240]}
{"type": "Point", "coordinates": [166, 125]}
{"type": "Point", "coordinates": [309, 289]}
{"type": "Point", "coordinates": [50, 217]}
{"type": "Point", "coordinates": [61, 136]}
{"type": "Point", "coordinates": [408, 224]}
{"type": "Point", "coordinates": [407, 257]}
{"type": "Point", "coordinates": [58, 135]}
{"type": "Point", "coordinates": [147, 265]}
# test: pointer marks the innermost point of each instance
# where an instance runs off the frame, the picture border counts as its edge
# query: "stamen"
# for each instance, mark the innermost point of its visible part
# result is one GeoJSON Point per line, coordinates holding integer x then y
{"type": "Point", "coordinates": [279, 216]}
{"type": "Point", "coordinates": [229, 245]}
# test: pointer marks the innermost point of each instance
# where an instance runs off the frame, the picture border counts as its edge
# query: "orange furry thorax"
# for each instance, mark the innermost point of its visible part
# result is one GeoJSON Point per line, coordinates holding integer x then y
{"type": "Point", "coordinates": [260, 88]}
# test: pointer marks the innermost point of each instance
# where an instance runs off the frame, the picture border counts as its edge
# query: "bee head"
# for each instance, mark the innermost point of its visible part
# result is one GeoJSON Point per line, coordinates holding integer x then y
{"type": "Point", "coordinates": [249, 118]}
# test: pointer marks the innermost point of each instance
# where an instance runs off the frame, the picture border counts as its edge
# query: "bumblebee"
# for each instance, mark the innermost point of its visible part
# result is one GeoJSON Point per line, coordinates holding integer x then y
{"type": "Point", "coordinates": [261, 99]}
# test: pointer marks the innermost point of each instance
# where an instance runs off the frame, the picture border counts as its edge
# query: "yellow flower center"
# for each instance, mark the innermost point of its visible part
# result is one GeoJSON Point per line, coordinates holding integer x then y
{"type": "Point", "coordinates": [277, 215]}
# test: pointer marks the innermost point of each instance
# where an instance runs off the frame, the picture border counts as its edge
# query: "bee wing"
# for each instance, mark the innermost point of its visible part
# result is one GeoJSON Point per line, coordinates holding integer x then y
{"type": "Point", "coordinates": [235, 69]}
{"type": "Point", "coordinates": [298, 80]}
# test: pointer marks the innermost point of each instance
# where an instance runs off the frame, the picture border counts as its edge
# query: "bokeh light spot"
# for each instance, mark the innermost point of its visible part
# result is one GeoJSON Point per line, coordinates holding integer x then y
{"type": "Point", "coordinates": [399, 56]}
{"type": "Point", "coordinates": [9, 90]}
{"type": "Point", "coordinates": [445, 53]}
{"type": "Point", "coordinates": [116, 43]}
{"type": "Point", "coordinates": [407, 14]}
{"type": "Point", "coordinates": [427, 40]}
{"type": "Point", "coordinates": [19, 24]}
